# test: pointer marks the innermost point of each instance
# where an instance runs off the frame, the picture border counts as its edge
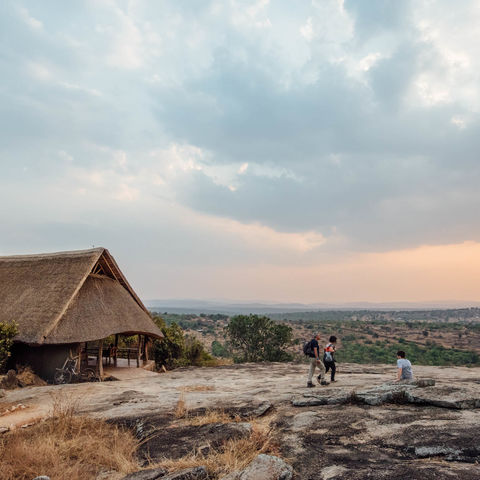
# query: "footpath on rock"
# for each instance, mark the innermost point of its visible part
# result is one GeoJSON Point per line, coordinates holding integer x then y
{"type": "Point", "coordinates": [362, 426]}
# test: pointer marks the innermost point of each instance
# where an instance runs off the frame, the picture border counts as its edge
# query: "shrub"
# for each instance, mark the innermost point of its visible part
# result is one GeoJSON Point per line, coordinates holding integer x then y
{"type": "Point", "coordinates": [171, 348]}
{"type": "Point", "coordinates": [195, 352]}
{"type": "Point", "coordinates": [258, 339]}
{"type": "Point", "coordinates": [219, 350]}
{"type": "Point", "coordinates": [177, 350]}
{"type": "Point", "coordinates": [7, 333]}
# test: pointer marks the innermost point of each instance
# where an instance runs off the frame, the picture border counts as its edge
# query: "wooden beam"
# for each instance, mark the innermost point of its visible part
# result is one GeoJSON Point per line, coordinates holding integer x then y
{"type": "Point", "coordinates": [116, 349]}
{"type": "Point", "coordinates": [100, 359]}
{"type": "Point", "coordinates": [79, 354]}
{"type": "Point", "coordinates": [146, 342]}
{"type": "Point", "coordinates": [139, 350]}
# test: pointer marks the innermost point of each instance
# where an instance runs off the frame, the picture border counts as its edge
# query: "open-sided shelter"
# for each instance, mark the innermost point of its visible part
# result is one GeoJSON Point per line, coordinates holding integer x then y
{"type": "Point", "coordinates": [62, 300]}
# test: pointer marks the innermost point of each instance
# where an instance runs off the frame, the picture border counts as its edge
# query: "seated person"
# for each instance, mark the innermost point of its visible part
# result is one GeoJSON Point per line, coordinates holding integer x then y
{"type": "Point", "coordinates": [404, 367]}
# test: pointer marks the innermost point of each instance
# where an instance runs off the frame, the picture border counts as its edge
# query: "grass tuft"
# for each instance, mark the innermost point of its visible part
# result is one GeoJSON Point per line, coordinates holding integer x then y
{"type": "Point", "coordinates": [234, 454]}
{"type": "Point", "coordinates": [181, 409]}
{"type": "Point", "coordinates": [67, 446]}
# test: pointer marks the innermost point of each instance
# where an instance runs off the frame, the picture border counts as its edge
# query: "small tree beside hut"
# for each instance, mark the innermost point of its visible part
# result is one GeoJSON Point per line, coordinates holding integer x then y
{"type": "Point", "coordinates": [7, 333]}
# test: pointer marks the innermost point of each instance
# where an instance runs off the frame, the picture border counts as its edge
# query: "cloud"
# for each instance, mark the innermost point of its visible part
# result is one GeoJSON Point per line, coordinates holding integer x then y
{"type": "Point", "coordinates": [323, 128]}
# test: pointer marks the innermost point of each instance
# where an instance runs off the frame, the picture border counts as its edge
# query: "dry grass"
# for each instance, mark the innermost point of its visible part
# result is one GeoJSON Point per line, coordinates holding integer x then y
{"type": "Point", "coordinates": [197, 388]}
{"type": "Point", "coordinates": [181, 409]}
{"type": "Point", "coordinates": [27, 377]}
{"type": "Point", "coordinates": [66, 446]}
{"type": "Point", "coordinates": [235, 454]}
{"type": "Point", "coordinates": [211, 416]}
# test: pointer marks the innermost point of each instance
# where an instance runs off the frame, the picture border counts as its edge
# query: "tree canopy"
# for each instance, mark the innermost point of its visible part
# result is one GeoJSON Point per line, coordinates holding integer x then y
{"type": "Point", "coordinates": [258, 338]}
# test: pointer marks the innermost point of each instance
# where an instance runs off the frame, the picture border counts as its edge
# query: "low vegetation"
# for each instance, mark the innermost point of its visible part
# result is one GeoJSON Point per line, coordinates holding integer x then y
{"type": "Point", "coordinates": [382, 351]}
{"type": "Point", "coordinates": [7, 332]}
{"type": "Point", "coordinates": [430, 337]}
{"type": "Point", "coordinates": [177, 349]}
{"type": "Point", "coordinates": [80, 448]}
{"type": "Point", "coordinates": [67, 446]}
{"type": "Point", "coordinates": [255, 338]}
{"type": "Point", "coordinates": [233, 454]}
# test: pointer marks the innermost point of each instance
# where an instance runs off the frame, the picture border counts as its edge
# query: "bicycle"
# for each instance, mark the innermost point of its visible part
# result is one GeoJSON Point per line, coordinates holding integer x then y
{"type": "Point", "coordinates": [70, 370]}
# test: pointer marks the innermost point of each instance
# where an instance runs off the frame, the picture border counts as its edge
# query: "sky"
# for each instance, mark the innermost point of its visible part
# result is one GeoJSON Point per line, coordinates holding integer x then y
{"type": "Point", "coordinates": [284, 151]}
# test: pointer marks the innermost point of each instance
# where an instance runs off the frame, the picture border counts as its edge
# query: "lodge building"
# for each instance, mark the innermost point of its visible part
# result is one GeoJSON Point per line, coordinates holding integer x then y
{"type": "Point", "coordinates": [69, 302]}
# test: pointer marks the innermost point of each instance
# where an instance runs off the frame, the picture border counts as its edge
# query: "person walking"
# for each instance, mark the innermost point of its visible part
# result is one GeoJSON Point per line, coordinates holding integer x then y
{"type": "Point", "coordinates": [329, 357]}
{"type": "Point", "coordinates": [315, 361]}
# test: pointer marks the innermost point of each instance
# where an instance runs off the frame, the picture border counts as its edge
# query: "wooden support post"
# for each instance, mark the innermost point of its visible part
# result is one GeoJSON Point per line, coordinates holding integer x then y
{"type": "Point", "coordinates": [79, 355]}
{"type": "Point", "coordinates": [128, 355]}
{"type": "Point", "coordinates": [139, 350]}
{"type": "Point", "coordinates": [146, 342]}
{"type": "Point", "coordinates": [100, 359]}
{"type": "Point", "coordinates": [116, 349]}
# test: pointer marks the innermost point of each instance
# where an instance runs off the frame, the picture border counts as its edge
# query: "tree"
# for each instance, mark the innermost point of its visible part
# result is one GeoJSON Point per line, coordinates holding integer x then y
{"type": "Point", "coordinates": [7, 332]}
{"type": "Point", "coordinates": [258, 339]}
{"type": "Point", "coordinates": [171, 347]}
{"type": "Point", "coordinates": [219, 350]}
{"type": "Point", "coordinates": [175, 349]}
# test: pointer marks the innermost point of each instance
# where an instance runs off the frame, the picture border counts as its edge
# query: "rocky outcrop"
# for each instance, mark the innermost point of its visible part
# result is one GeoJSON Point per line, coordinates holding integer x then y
{"type": "Point", "coordinates": [149, 474]}
{"type": "Point", "coordinates": [420, 392]}
{"type": "Point", "coordinates": [264, 467]}
{"type": "Point", "coordinates": [10, 381]}
{"type": "Point", "coordinates": [195, 473]}
{"type": "Point", "coordinates": [160, 439]}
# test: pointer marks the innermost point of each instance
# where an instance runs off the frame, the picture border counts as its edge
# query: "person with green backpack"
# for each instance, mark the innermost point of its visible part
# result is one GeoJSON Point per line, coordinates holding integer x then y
{"type": "Point", "coordinates": [312, 350]}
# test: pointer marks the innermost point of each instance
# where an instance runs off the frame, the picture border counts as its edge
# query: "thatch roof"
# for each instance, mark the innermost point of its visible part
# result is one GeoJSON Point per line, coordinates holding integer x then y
{"type": "Point", "coordinates": [70, 297]}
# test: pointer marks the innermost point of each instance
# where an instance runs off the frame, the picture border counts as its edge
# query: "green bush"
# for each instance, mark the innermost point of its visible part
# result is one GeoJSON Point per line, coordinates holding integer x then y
{"type": "Point", "coordinates": [219, 350]}
{"type": "Point", "coordinates": [258, 339]}
{"type": "Point", "coordinates": [195, 352]}
{"type": "Point", "coordinates": [7, 332]}
{"type": "Point", "coordinates": [384, 352]}
{"type": "Point", "coordinates": [177, 350]}
{"type": "Point", "coordinates": [170, 350]}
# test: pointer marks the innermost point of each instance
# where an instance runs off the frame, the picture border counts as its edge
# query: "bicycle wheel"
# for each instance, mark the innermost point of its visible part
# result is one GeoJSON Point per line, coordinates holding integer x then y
{"type": "Point", "coordinates": [90, 375]}
{"type": "Point", "coordinates": [62, 376]}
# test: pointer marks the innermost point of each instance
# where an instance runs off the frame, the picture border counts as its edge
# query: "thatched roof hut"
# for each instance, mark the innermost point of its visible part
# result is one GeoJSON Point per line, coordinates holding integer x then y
{"type": "Point", "coordinates": [70, 297]}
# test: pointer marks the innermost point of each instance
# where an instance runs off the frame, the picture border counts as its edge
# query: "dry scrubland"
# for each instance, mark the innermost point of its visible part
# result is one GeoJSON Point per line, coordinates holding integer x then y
{"type": "Point", "coordinates": [67, 445]}
{"type": "Point", "coordinates": [361, 331]}
{"type": "Point", "coordinates": [221, 418]}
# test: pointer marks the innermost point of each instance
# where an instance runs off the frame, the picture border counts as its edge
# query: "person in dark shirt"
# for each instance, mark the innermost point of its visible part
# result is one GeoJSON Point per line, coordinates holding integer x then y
{"type": "Point", "coordinates": [316, 361]}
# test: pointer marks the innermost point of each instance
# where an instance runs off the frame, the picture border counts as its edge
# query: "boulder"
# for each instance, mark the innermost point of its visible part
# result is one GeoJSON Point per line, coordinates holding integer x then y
{"type": "Point", "coordinates": [252, 410]}
{"type": "Point", "coordinates": [331, 397]}
{"type": "Point", "coordinates": [150, 474]}
{"type": "Point", "coordinates": [386, 393]}
{"type": "Point", "coordinates": [264, 467]}
{"type": "Point", "coordinates": [420, 392]}
{"type": "Point", "coordinates": [445, 397]}
{"type": "Point", "coordinates": [262, 409]}
{"type": "Point", "coordinates": [424, 382]}
{"type": "Point", "coordinates": [9, 381]}
{"type": "Point", "coordinates": [182, 440]}
{"type": "Point", "coordinates": [195, 473]}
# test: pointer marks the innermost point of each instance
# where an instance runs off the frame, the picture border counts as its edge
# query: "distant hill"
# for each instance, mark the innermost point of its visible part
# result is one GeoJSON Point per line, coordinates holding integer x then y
{"type": "Point", "coordinates": [227, 307]}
